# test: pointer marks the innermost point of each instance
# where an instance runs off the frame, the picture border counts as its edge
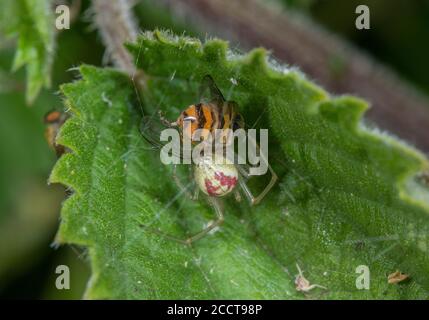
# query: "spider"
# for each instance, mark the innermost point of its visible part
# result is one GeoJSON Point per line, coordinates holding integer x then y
{"type": "Point", "coordinates": [215, 180]}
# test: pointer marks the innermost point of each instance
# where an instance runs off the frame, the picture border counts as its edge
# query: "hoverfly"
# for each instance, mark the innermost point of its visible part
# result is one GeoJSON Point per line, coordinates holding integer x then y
{"type": "Point", "coordinates": [215, 180]}
{"type": "Point", "coordinates": [54, 120]}
{"type": "Point", "coordinates": [211, 113]}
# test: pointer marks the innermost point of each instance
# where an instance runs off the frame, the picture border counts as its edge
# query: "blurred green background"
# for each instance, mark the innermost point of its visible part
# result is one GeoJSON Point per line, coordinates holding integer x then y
{"type": "Point", "coordinates": [29, 208]}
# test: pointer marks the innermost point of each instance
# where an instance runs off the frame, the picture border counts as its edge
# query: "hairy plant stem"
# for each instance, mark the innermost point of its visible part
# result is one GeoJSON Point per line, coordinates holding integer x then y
{"type": "Point", "coordinates": [116, 24]}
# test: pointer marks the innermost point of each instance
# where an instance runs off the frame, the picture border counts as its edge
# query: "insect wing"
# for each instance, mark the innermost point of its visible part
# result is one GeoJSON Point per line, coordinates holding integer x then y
{"type": "Point", "coordinates": [209, 92]}
{"type": "Point", "coordinates": [151, 128]}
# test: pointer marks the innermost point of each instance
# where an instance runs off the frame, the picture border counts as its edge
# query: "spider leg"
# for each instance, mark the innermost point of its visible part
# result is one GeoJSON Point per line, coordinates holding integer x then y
{"type": "Point", "coordinates": [245, 174]}
{"type": "Point", "coordinates": [246, 191]}
{"type": "Point", "coordinates": [196, 188]}
{"type": "Point", "coordinates": [249, 195]}
{"type": "Point", "coordinates": [157, 230]}
{"type": "Point", "coordinates": [237, 196]}
{"type": "Point", "coordinates": [196, 194]}
{"type": "Point", "coordinates": [219, 214]}
{"type": "Point", "coordinates": [164, 234]}
{"type": "Point", "coordinates": [269, 185]}
{"type": "Point", "coordinates": [243, 171]}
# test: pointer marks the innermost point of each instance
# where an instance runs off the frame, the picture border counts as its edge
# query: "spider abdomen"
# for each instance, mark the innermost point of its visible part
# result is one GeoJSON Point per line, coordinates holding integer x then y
{"type": "Point", "coordinates": [215, 180]}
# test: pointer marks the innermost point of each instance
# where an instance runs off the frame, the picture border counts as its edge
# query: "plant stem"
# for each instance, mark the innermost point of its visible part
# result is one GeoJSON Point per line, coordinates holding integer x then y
{"type": "Point", "coordinates": [116, 23]}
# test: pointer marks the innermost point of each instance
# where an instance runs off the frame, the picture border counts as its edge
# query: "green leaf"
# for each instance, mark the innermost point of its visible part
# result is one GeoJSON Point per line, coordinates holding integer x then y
{"type": "Point", "coordinates": [341, 200]}
{"type": "Point", "coordinates": [33, 23]}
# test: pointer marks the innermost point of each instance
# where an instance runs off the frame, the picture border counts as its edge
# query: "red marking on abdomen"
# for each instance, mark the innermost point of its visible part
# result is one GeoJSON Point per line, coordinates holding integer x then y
{"type": "Point", "coordinates": [211, 189]}
{"type": "Point", "coordinates": [224, 180]}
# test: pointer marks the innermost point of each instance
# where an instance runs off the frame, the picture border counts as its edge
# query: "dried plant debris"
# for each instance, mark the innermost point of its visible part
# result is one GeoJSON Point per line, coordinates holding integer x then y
{"type": "Point", "coordinates": [397, 277]}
